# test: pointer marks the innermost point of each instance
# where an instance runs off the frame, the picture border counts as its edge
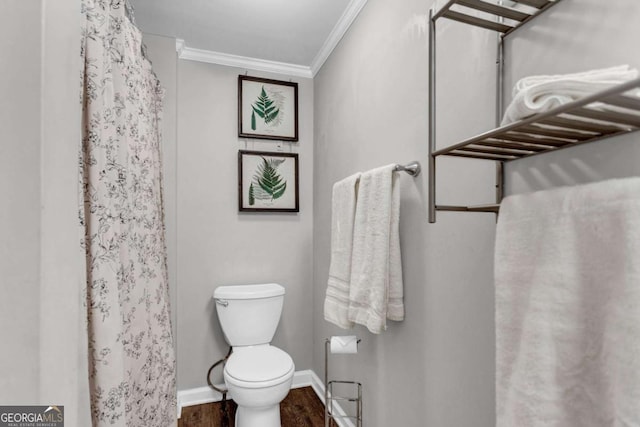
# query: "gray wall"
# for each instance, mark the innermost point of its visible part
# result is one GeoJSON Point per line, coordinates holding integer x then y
{"type": "Point", "coordinates": [20, 193]}
{"type": "Point", "coordinates": [577, 36]}
{"type": "Point", "coordinates": [44, 340]}
{"type": "Point", "coordinates": [436, 368]}
{"type": "Point", "coordinates": [217, 245]}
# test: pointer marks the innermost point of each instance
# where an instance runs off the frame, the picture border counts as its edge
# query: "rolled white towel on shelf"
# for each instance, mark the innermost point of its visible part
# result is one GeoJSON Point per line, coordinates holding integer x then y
{"type": "Point", "coordinates": [538, 94]}
{"type": "Point", "coordinates": [615, 75]}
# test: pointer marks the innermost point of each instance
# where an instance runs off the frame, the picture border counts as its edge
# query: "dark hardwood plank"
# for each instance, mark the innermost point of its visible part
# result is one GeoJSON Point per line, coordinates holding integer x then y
{"type": "Point", "coordinates": [301, 408]}
{"type": "Point", "coordinates": [199, 416]}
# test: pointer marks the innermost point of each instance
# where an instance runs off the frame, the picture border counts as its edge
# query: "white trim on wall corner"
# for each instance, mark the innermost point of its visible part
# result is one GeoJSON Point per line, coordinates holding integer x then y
{"type": "Point", "coordinates": [197, 396]}
{"type": "Point", "coordinates": [339, 30]}
{"type": "Point", "coordinates": [180, 45]}
{"type": "Point", "coordinates": [201, 55]}
{"type": "Point", "coordinates": [307, 378]}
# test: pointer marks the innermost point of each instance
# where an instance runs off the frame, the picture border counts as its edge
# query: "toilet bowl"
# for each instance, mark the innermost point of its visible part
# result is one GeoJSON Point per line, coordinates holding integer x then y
{"type": "Point", "coordinates": [257, 374]}
{"type": "Point", "coordinates": [258, 378]}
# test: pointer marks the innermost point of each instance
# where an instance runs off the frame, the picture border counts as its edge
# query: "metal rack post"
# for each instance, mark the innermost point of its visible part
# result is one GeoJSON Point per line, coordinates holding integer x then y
{"type": "Point", "coordinates": [432, 117]}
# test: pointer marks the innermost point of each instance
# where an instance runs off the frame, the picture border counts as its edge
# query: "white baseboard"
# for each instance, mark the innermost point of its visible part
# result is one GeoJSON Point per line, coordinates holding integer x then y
{"type": "Point", "coordinates": [306, 378]}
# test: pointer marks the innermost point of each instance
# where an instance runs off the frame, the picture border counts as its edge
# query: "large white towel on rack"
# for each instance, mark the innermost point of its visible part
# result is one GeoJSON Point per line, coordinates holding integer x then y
{"type": "Point", "coordinates": [538, 94]}
{"type": "Point", "coordinates": [376, 292]}
{"type": "Point", "coordinates": [343, 210]}
{"type": "Point", "coordinates": [568, 307]}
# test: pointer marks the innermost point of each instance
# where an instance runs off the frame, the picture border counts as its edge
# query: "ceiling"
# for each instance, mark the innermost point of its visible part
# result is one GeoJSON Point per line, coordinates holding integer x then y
{"type": "Point", "coordinates": [301, 33]}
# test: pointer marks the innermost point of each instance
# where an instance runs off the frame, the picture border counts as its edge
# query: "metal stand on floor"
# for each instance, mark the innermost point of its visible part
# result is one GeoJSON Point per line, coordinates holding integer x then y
{"type": "Point", "coordinates": [329, 397]}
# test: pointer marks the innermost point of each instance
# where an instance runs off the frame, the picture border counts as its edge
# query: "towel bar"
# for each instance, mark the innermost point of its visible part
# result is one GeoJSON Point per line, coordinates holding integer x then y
{"type": "Point", "coordinates": [412, 168]}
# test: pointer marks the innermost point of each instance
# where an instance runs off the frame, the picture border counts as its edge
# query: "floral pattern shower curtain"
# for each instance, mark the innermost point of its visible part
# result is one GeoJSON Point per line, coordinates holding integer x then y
{"type": "Point", "coordinates": [131, 354]}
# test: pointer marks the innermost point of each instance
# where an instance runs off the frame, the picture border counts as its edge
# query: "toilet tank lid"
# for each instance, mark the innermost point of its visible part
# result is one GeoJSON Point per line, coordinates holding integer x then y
{"type": "Point", "coordinates": [265, 290]}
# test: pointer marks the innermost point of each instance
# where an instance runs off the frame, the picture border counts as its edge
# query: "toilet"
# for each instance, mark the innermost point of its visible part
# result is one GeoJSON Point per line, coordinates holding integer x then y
{"type": "Point", "coordinates": [257, 374]}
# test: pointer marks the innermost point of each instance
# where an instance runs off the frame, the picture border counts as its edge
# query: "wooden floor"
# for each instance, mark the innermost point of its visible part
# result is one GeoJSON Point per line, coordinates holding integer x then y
{"type": "Point", "coordinates": [301, 408]}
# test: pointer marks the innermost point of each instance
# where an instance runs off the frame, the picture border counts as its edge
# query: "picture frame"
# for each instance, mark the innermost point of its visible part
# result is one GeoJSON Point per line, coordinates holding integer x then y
{"type": "Point", "coordinates": [267, 109]}
{"type": "Point", "coordinates": [268, 182]}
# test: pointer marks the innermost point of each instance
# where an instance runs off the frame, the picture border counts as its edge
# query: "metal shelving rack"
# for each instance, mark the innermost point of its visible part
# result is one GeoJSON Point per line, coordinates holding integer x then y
{"type": "Point", "coordinates": [329, 396]}
{"type": "Point", "coordinates": [571, 124]}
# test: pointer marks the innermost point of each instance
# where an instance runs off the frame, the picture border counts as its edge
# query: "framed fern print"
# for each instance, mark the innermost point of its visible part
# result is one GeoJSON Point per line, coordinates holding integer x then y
{"type": "Point", "coordinates": [267, 109]}
{"type": "Point", "coordinates": [268, 181]}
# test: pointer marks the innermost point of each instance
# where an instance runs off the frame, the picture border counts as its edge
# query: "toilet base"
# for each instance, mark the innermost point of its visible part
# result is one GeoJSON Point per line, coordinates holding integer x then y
{"type": "Point", "coordinates": [258, 417]}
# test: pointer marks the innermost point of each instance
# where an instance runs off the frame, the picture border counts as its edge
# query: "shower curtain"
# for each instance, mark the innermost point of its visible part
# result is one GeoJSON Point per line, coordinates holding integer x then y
{"type": "Point", "coordinates": [131, 354]}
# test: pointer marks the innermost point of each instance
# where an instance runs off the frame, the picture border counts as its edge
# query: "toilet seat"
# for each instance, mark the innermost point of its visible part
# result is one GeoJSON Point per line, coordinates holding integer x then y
{"type": "Point", "coordinates": [258, 367]}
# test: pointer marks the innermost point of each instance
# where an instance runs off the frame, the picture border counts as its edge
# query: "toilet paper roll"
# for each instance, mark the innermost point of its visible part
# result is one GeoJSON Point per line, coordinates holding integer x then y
{"type": "Point", "coordinates": [347, 344]}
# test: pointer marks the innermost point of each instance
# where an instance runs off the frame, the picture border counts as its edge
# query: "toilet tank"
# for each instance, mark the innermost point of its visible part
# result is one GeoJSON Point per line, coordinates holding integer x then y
{"type": "Point", "coordinates": [249, 314]}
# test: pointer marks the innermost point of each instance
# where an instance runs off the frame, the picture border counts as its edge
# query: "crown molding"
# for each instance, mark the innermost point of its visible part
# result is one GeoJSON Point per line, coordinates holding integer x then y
{"type": "Point", "coordinates": [201, 55]}
{"type": "Point", "coordinates": [339, 30]}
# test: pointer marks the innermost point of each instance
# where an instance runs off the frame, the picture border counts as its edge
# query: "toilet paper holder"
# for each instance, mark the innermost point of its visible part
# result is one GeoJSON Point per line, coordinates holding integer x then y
{"type": "Point", "coordinates": [330, 398]}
